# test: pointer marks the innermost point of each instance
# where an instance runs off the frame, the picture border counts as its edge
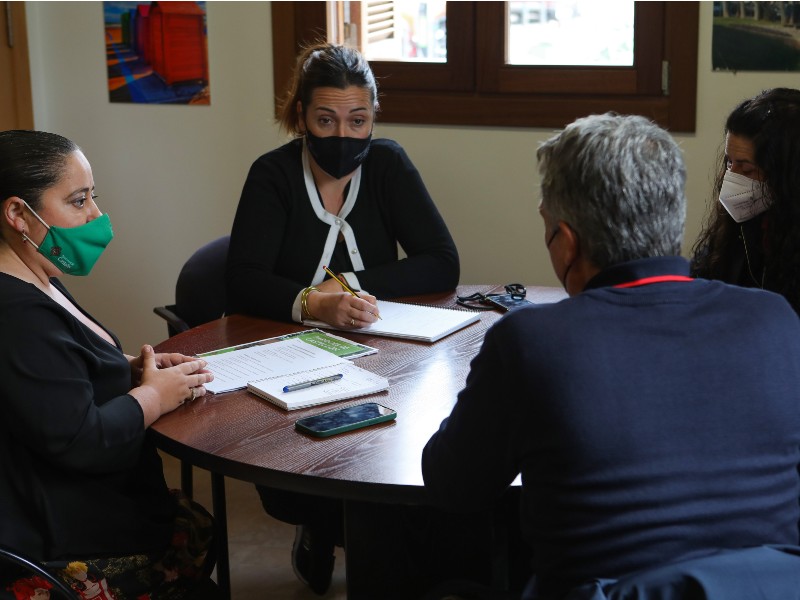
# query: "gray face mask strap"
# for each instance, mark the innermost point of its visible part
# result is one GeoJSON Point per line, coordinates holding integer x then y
{"type": "Point", "coordinates": [24, 235]}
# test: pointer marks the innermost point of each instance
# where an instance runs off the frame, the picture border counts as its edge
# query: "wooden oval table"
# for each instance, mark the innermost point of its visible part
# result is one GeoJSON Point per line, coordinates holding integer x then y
{"type": "Point", "coordinates": [236, 434]}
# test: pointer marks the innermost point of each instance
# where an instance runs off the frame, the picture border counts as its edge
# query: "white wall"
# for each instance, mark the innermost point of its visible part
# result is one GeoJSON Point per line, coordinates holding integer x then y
{"type": "Point", "coordinates": [170, 176]}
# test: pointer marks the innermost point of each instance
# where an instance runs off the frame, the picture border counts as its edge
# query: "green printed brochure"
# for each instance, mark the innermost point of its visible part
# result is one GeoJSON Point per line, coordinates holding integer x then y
{"type": "Point", "coordinates": [332, 343]}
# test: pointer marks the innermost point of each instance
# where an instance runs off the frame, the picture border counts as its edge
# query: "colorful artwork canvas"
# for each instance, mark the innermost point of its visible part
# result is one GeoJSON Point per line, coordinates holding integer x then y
{"type": "Point", "coordinates": [157, 52]}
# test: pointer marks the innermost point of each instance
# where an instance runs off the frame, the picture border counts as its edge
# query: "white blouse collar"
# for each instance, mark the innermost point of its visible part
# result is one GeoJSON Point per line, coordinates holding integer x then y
{"type": "Point", "coordinates": [337, 223]}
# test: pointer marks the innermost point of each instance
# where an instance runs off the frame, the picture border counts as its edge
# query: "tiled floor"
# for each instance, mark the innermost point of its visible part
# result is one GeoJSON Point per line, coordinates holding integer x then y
{"type": "Point", "coordinates": [260, 546]}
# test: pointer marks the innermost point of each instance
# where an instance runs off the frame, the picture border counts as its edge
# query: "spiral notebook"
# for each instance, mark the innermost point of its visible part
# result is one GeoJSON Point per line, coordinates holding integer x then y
{"type": "Point", "coordinates": [413, 321]}
{"type": "Point", "coordinates": [354, 381]}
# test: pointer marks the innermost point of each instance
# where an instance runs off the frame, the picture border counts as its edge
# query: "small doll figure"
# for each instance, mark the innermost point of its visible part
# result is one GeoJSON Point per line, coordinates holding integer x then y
{"type": "Point", "coordinates": [89, 586]}
{"type": "Point", "coordinates": [31, 588]}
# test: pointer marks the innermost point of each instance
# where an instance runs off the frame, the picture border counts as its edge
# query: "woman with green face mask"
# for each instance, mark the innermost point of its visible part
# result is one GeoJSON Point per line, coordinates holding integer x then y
{"type": "Point", "coordinates": [79, 481]}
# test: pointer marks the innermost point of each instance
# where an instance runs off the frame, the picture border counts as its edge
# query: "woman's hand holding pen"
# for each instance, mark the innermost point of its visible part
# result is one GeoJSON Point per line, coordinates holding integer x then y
{"type": "Point", "coordinates": [342, 309]}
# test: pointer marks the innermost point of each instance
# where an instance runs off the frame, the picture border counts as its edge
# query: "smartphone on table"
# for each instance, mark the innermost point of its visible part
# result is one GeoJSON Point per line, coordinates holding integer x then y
{"type": "Point", "coordinates": [506, 302]}
{"type": "Point", "coordinates": [345, 419]}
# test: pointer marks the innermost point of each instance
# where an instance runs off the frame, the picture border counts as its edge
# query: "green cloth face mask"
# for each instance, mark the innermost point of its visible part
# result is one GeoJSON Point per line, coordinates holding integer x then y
{"type": "Point", "coordinates": [74, 250]}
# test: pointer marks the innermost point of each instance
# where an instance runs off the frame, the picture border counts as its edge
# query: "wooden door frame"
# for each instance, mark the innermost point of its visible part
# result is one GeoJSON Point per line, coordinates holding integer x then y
{"type": "Point", "coordinates": [20, 64]}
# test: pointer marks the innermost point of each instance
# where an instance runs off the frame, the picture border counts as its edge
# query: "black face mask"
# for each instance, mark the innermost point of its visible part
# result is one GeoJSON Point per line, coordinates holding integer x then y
{"type": "Point", "coordinates": [338, 156]}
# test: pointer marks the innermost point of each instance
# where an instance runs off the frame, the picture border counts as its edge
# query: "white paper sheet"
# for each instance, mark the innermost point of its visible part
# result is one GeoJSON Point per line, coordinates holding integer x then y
{"type": "Point", "coordinates": [233, 370]}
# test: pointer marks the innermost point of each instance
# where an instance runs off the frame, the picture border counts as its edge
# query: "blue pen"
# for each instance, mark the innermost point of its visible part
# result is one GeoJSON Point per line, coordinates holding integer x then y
{"type": "Point", "coordinates": [307, 384]}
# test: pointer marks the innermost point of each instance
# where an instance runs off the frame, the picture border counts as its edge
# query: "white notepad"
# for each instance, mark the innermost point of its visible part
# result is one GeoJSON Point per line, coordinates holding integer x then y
{"type": "Point", "coordinates": [413, 321]}
{"type": "Point", "coordinates": [283, 358]}
{"type": "Point", "coordinates": [355, 382]}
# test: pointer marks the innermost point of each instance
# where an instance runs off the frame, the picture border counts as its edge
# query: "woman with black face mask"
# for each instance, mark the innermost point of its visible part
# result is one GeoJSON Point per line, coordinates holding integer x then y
{"type": "Point", "coordinates": [334, 197]}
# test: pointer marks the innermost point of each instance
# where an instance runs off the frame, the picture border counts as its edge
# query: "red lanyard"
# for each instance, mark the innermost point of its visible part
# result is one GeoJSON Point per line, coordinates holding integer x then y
{"type": "Point", "coordinates": [656, 279]}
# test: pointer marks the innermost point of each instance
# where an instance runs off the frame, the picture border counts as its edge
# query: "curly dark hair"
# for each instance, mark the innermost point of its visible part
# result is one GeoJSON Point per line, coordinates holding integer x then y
{"type": "Point", "coordinates": [771, 121]}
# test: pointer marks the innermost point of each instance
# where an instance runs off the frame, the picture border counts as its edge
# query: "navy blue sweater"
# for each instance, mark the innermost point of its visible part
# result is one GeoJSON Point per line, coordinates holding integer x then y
{"type": "Point", "coordinates": [648, 423]}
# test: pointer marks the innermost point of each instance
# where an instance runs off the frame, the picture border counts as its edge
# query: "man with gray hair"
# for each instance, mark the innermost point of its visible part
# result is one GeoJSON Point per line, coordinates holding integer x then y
{"type": "Point", "coordinates": [653, 417]}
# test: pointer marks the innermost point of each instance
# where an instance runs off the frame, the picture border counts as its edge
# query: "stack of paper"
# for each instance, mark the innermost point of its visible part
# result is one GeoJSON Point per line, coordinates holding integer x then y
{"type": "Point", "coordinates": [266, 369]}
{"type": "Point", "coordinates": [413, 321]}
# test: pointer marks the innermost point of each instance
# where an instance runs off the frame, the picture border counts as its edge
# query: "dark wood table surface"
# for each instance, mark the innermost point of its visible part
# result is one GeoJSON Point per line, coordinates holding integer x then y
{"type": "Point", "coordinates": [240, 435]}
{"type": "Point", "coordinates": [236, 434]}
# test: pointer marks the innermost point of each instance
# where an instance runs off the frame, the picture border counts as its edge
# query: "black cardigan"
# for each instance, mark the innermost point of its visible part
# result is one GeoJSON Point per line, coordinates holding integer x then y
{"type": "Point", "coordinates": [78, 478]}
{"type": "Point", "coordinates": [277, 239]}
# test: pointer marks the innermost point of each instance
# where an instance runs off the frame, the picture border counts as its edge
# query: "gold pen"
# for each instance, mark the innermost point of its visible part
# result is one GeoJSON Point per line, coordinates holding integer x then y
{"type": "Point", "coordinates": [341, 282]}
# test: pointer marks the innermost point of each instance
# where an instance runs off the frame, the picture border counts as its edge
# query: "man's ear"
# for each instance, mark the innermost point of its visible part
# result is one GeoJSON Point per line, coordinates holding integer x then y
{"type": "Point", "coordinates": [581, 269]}
{"type": "Point", "coordinates": [570, 246]}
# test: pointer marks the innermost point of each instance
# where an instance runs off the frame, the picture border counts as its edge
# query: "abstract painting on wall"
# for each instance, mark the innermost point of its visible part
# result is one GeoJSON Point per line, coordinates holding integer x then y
{"type": "Point", "coordinates": [157, 52]}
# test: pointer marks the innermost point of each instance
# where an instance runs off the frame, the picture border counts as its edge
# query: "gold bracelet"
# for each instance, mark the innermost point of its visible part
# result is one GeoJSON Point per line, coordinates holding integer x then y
{"type": "Point", "coordinates": [304, 302]}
